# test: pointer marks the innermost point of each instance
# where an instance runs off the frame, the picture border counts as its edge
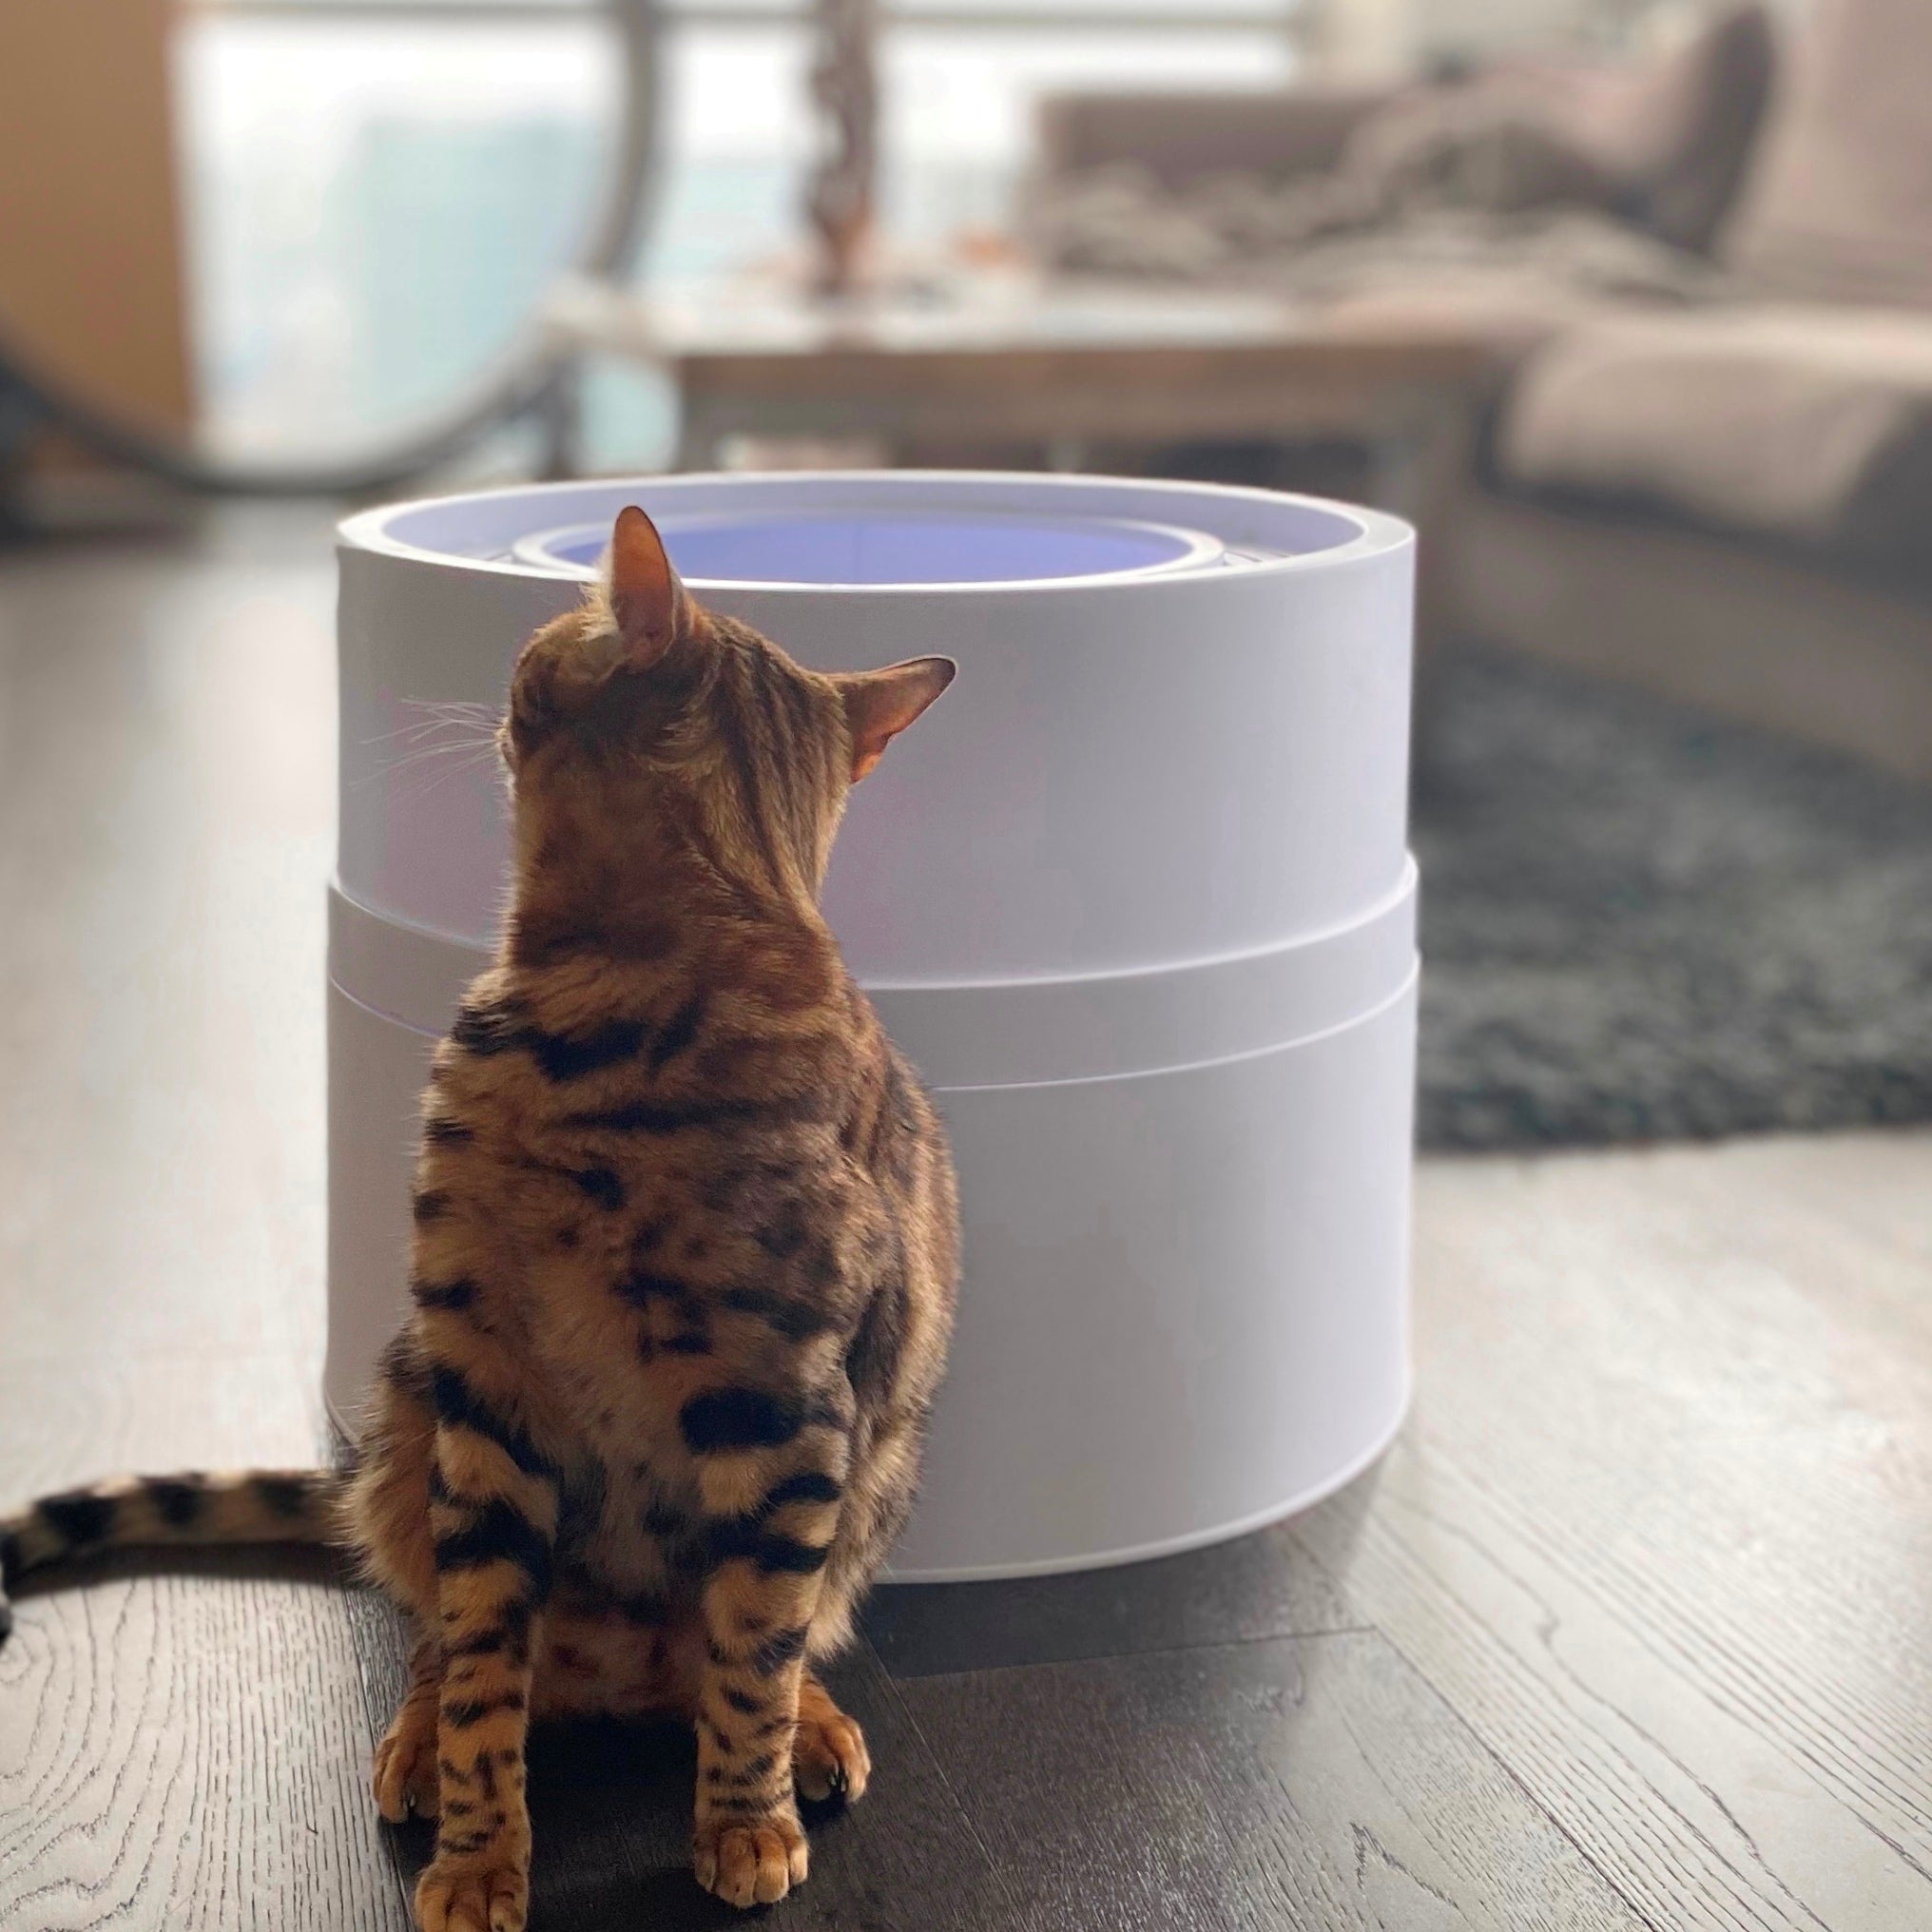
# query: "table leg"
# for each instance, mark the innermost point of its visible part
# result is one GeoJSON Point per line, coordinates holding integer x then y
{"type": "Point", "coordinates": [1419, 467]}
{"type": "Point", "coordinates": [560, 417]}
{"type": "Point", "coordinates": [694, 452]}
{"type": "Point", "coordinates": [699, 431]}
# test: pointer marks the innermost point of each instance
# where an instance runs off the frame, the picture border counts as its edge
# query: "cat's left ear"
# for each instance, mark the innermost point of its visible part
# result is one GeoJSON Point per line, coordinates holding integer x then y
{"type": "Point", "coordinates": [880, 705]}
{"type": "Point", "coordinates": [648, 601]}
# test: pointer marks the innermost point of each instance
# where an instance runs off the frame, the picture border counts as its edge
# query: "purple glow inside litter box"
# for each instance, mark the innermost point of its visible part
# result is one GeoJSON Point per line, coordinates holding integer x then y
{"type": "Point", "coordinates": [882, 548]}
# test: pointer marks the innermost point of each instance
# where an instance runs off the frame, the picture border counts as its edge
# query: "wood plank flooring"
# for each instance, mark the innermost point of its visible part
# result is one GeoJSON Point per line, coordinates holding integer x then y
{"type": "Point", "coordinates": [175, 1751]}
{"type": "Point", "coordinates": [1633, 1628]}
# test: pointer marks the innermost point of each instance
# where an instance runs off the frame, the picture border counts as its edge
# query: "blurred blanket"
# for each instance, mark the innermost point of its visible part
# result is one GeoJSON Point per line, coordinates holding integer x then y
{"type": "Point", "coordinates": [1436, 187]}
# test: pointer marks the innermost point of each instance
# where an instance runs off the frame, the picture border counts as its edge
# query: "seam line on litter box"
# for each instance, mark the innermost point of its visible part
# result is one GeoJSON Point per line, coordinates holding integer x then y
{"type": "Point", "coordinates": [408, 1026]}
{"type": "Point", "coordinates": [1407, 885]}
{"type": "Point", "coordinates": [1410, 981]}
{"type": "Point", "coordinates": [1406, 888]}
{"type": "Point", "coordinates": [413, 928]}
{"type": "Point", "coordinates": [1177, 1016]}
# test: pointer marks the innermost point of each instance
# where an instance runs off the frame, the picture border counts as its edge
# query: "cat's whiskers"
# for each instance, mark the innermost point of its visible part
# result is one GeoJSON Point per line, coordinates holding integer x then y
{"type": "Point", "coordinates": [436, 737]}
{"type": "Point", "coordinates": [438, 770]}
{"type": "Point", "coordinates": [468, 717]}
{"type": "Point", "coordinates": [457, 755]}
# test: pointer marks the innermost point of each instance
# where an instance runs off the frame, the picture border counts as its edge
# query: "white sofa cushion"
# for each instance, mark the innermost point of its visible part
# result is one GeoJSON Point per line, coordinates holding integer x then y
{"type": "Point", "coordinates": [1811, 425]}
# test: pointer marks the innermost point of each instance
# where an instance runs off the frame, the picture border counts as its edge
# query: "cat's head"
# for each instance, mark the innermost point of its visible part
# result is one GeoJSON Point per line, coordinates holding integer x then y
{"type": "Point", "coordinates": [641, 724]}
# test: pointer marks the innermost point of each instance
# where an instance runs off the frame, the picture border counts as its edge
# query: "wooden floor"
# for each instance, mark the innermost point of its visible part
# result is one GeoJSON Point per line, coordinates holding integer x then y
{"type": "Point", "coordinates": [1633, 1628]}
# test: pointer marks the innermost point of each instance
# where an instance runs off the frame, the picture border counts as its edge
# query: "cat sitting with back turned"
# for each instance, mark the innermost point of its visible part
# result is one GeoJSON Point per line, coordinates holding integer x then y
{"type": "Point", "coordinates": [682, 1271]}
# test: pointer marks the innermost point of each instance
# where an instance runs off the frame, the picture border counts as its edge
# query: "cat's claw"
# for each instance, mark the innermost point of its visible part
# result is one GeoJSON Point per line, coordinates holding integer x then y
{"type": "Point", "coordinates": [829, 1758]}
{"type": "Point", "coordinates": [406, 1776]}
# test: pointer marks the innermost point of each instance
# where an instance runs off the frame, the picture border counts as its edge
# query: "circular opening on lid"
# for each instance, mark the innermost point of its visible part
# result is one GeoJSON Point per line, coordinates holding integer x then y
{"type": "Point", "coordinates": [888, 547]}
{"type": "Point", "coordinates": [1074, 531]}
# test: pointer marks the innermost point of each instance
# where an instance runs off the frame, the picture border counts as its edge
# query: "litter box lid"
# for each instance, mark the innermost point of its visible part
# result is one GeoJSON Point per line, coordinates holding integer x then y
{"type": "Point", "coordinates": [1180, 731]}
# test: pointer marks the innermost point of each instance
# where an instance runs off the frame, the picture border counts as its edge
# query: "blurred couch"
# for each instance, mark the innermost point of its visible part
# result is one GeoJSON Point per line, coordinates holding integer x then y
{"type": "Point", "coordinates": [1727, 500]}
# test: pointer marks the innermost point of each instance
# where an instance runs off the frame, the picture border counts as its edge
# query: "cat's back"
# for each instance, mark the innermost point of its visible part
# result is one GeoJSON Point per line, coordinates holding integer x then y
{"type": "Point", "coordinates": [705, 1156]}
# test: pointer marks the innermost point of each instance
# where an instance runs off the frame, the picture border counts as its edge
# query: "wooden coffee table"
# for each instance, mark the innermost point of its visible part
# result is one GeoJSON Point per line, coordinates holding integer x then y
{"type": "Point", "coordinates": [1047, 368]}
{"type": "Point", "coordinates": [1005, 369]}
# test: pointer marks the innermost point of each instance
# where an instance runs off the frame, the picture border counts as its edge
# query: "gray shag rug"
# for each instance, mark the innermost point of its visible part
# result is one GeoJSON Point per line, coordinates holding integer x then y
{"type": "Point", "coordinates": [1642, 924]}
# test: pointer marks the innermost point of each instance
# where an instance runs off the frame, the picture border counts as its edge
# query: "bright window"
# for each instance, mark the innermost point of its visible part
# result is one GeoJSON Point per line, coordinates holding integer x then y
{"type": "Point", "coordinates": [381, 189]}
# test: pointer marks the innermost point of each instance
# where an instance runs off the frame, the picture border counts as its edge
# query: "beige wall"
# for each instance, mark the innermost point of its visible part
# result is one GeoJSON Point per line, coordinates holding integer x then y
{"type": "Point", "coordinates": [91, 258]}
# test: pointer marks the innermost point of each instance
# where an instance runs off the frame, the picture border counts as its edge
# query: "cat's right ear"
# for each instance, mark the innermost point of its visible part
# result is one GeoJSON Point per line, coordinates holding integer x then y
{"type": "Point", "coordinates": [648, 601]}
{"type": "Point", "coordinates": [880, 705]}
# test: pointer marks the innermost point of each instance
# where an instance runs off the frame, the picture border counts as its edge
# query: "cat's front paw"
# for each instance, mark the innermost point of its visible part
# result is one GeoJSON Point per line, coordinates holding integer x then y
{"type": "Point", "coordinates": [405, 1776]}
{"type": "Point", "coordinates": [749, 1861]}
{"type": "Point", "coordinates": [481, 1894]}
{"type": "Point", "coordinates": [829, 1758]}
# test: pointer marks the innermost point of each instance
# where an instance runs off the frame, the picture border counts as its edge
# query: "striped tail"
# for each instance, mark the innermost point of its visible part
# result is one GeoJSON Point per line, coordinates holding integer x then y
{"type": "Point", "coordinates": [187, 1511]}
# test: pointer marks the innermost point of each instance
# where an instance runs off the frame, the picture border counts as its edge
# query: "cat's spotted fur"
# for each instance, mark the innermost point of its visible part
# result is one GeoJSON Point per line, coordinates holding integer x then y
{"type": "Point", "coordinates": [683, 1268]}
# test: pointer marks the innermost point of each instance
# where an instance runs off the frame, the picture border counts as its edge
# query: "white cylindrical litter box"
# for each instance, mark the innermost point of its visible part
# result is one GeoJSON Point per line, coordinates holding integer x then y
{"type": "Point", "coordinates": [1136, 898]}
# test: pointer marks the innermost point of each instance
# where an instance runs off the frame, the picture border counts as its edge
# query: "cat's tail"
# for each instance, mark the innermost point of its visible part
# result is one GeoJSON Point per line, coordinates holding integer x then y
{"type": "Point", "coordinates": [189, 1510]}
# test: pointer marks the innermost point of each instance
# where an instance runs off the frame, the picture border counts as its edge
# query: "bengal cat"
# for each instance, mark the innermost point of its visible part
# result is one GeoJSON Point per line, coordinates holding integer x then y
{"type": "Point", "coordinates": [683, 1268]}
